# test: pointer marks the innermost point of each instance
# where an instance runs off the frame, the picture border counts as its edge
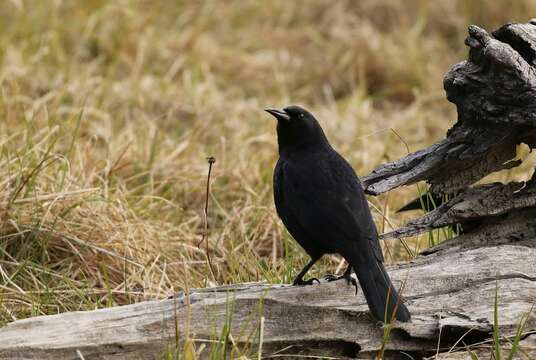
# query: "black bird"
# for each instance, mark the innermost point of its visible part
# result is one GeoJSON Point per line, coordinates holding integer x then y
{"type": "Point", "coordinates": [319, 198]}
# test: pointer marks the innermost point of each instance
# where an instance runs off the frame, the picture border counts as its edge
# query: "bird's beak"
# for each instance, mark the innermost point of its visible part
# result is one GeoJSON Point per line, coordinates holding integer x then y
{"type": "Point", "coordinates": [278, 114]}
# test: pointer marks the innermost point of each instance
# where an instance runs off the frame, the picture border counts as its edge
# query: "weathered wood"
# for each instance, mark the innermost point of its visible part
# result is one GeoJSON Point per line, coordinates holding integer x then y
{"type": "Point", "coordinates": [517, 227]}
{"type": "Point", "coordinates": [327, 319]}
{"type": "Point", "coordinates": [495, 95]}
{"type": "Point", "coordinates": [483, 204]}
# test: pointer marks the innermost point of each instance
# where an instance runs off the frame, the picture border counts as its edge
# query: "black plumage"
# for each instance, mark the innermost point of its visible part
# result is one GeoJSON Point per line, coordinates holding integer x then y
{"type": "Point", "coordinates": [319, 198]}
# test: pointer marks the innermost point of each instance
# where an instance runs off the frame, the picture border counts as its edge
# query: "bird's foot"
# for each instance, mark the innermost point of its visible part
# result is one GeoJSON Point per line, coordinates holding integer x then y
{"type": "Point", "coordinates": [347, 276]}
{"type": "Point", "coordinates": [305, 282]}
{"type": "Point", "coordinates": [332, 277]}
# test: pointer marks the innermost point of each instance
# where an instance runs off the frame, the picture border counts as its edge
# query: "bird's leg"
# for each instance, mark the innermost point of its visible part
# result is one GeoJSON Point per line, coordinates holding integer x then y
{"type": "Point", "coordinates": [299, 279]}
{"type": "Point", "coordinates": [347, 275]}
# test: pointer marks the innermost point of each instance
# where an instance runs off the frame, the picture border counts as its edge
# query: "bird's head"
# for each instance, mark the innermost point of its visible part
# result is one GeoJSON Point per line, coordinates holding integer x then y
{"type": "Point", "coordinates": [297, 129]}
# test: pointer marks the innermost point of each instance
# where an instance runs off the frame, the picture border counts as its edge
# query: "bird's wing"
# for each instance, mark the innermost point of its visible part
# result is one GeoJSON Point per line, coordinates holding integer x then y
{"type": "Point", "coordinates": [284, 209]}
{"type": "Point", "coordinates": [325, 197]}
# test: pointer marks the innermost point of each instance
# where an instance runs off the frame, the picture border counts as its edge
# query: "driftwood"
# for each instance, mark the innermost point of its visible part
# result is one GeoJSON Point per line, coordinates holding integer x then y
{"type": "Point", "coordinates": [482, 205]}
{"type": "Point", "coordinates": [450, 289]}
{"type": "Point", "coordinates": [494, 92]}
{"type": "Point", "coordinates": [450, 294]}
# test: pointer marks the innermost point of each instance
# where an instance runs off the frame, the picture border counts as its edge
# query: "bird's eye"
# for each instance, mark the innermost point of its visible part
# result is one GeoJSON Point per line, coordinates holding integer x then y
{"type": "Point", "coordinates": [301, 116]}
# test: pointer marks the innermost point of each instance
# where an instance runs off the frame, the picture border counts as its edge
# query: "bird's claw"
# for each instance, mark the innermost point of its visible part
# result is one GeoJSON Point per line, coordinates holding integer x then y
{"type": "Point", "coordinates": [349, 279]}
{"type": "Point", "coordinates": [305, 282]}
{"type": "Point", "coordinates": [332, 277]}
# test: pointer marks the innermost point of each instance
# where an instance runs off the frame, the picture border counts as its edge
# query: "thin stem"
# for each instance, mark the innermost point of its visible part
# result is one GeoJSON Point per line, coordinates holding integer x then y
{"type": "Point", "coordinates": [211, 160]}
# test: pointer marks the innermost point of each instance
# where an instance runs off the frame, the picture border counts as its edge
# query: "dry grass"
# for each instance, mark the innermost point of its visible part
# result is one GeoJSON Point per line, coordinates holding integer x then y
{"type": "Point", "coordinates": [109, 109]}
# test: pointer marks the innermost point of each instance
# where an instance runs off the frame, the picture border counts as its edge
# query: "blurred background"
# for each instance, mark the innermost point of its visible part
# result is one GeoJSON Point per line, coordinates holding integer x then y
{"type": "Point", "coordinates": [108, 110]}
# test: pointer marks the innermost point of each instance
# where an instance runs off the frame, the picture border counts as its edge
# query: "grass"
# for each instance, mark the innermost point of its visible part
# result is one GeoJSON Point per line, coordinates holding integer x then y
{"type": "Point", "coordinates": [109, 110]}
{"type": "Point", "coordinates": [500, 346]}
{"type": "Point", "coordinates": [244, 343]}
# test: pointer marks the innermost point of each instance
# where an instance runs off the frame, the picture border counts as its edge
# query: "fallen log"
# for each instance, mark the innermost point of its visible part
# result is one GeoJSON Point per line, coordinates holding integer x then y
{"type": "Point", "coordinates": [450, 294]}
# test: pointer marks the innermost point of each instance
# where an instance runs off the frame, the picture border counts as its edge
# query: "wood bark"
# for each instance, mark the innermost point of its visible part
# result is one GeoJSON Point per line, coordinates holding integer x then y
{"type": "Point", "coordinates": [495, 94]}
{"type": "Point", "coordinates": [479, 207]}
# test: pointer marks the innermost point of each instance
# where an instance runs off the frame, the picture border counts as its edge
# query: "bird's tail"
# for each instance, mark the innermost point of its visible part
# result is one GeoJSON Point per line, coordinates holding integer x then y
{"type": "Point", "coordinates": [382, 298]}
